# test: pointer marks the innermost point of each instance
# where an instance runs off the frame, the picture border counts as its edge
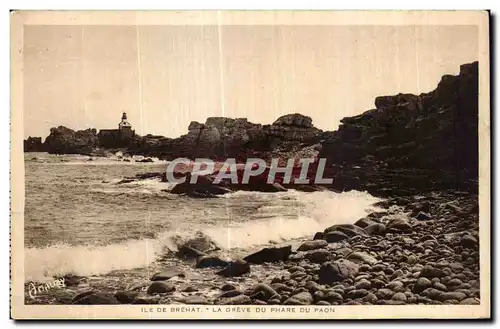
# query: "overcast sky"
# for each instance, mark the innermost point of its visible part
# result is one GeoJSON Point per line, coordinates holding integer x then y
{"type": "Point", "coordinates": [167, 76]}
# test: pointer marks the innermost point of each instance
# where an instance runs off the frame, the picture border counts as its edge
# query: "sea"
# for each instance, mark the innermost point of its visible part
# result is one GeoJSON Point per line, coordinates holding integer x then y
{"type": "Point", "coordinates": [81, 219]}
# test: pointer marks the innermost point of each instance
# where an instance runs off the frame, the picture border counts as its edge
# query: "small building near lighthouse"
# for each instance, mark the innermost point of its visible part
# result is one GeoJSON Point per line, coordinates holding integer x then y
{"type": "Point", "coordinates": [115, 138]}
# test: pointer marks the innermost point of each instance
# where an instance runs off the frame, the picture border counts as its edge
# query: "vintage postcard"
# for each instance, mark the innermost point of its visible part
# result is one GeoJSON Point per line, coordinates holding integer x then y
{"type": "Point", "coordinates": [250, 165]}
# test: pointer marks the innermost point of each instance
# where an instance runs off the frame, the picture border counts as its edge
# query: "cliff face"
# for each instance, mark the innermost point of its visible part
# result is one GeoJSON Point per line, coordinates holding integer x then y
{"type": "Point", "coordinates": [428, 140]}
{"type": "Point", "coordinates": [63, 140]}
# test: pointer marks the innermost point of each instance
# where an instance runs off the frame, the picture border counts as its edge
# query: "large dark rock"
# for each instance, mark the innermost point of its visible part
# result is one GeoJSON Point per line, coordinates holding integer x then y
{"type": "Point", "coordinates": [269, 255]}
{"type": "Point", "coordinates": [167, 273]}
{"type": "Point", "coordinates": [335, 236]}
{"type": "Point", "coordinates": [348, 229]}
{"type": "Point", "coordinates": [95, 298]}
{"type": "Point", "coordinates": [188, 252]}
{"type": "Point", "coordinates": [34, 144]}
{"type": "Point", "coordinates": [196, 246]}
{"type": "Point", "coordinates": [411, 143]}
{"type": "Point", "coordinates": [160, 287]}
{"type": "Point", "coordinates": [210, 261]}
{"type": "Point", "coordinates": [236, 268]}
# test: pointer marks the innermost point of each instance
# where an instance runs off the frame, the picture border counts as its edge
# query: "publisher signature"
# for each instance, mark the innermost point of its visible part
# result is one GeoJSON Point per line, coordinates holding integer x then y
{"type": "Point", "coordinates": [35, 288]}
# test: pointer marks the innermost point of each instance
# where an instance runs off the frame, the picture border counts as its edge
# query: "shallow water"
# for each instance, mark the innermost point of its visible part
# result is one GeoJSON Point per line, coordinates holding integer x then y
{"type": "Point", "coordinates": [79, 219]}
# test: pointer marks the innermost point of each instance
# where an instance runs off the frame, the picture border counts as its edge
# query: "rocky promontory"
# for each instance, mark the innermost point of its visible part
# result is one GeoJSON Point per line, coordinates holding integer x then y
{"type": "Point", "coordinates": [412, 143]}
{"type": "Point", "coordinates": [63, 140]}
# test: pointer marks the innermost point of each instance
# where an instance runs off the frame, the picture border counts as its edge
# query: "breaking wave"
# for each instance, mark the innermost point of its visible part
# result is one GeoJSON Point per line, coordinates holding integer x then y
{"type": "Point", "coordinates": [306, 213]}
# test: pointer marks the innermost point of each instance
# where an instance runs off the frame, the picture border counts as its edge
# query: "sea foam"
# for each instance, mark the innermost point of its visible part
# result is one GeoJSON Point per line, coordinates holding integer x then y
{"type": "Point", "coordinates": [311, 212]}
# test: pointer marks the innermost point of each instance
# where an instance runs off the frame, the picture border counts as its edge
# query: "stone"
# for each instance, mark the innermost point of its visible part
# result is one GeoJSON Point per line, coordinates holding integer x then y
{"type": "Point", "coordinates": [167, 273]}
{"type": "Point", "coordinates": [147, 300]}
{"type": "Point", "coordinates": [337, 271]}
{"type": "Point", "coordinates": [454, 282]}
{"type": "Point", "coordinates": [399, 296]}
{"type": "Point", "coordinates": [468, 241]}
{"type": "Point", "coordinates": [126, 297]}
{"type": "Point", "coordinates": [384, 293]}
{"type": "Point", "coordinates": [266, 290]}
{"type": "Point", "coordinates": [395, 286]}
{"type": "Point", "coordinates": [432, 293]}
{"type": "Point", "coordinates": [452, 295]}
{"type": "Point", "coordinates": [423, 216]}
{"type": "Point", "coordinates": [365, 222]}
{"type": "Point", "coordinates": [236, 268]}
{"type": "Point", "coordinates": [230, 293]}
{"type": "Point", "coordinates": [470, 301]}
{"type": "Point", "coordinates": [335, 236]}
{"type": "Point", "coordinates": [189, 289]}
{"type": "Point", "coordinates": [410, 260]}
{"type": "Point", "coordinates": [319, 236]}
{"type": "Point", "coordinates": [302, 298]}
{"type": "Point", "coordinates": [439, 286]}
{"type": "Point", "coordinates": [95, 298]}
{"type": "Point", "coordinates": [63, 140]}
{"type": "Point", "coordinates": [333, 296]}
{"type": "Point", "coordinates": [237, 300]}
{"type": "Point", "coordinates": [227, 287]}
{"type": "Point", "coordinates": [269, 255]}
{"type": "Point", "coordinates": [363, 284]}
{"type": "Point", "coordinates": [431, 272]}
{"type": "Point", "coordinates": [199, 244]}
{"type": "Point", "coordinates": [280, 287]}
{"type": "Point", "coordinates": [370, 298]}
{"type": "Point", "coordinates": [210, 261]}
{"type": "Point", "coordinates": [393, 302]}
{"type": "Point", "coordinates": [362, 257]}
{"type": "Point", "coordinates": [160, 287]}
{"type": "Point", "coordinates": [188, 252]}
{"type": "Point", "coordinates": [421, 284]}
{"type": "Point", "coordinates": [195, 300]}
{"type": "Point", "coordinates": [312, 286]}
{"type": "Point", "coordinates": [312, 245]}
{"type": "Point", "coordinates": [399, 225]}
{"type": "Point", "coordinates": [357, 293]}
{"type": "Point", "coordinates": [71, 280]}
{"type": "Point", "coordinates": [318, 256]}
{"type": "Point", "coordinates": [348, 229]}
{"type": "Point", "coordinates": [376, 229]}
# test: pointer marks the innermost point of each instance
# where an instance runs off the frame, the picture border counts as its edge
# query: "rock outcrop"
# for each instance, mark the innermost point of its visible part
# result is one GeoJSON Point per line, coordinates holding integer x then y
{"type": "Point", "coordinates": [411, 142]}
{"type": "Point", "coordinates": [220, 138]}
{"type": "Point", "coordinates": [33, 144]}
{"type": "Point", "coordinates": [63, 140]}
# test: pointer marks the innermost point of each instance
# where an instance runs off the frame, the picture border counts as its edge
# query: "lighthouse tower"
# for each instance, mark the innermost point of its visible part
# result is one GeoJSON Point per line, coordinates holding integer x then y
{"type": "Point", "coordinates": [125, 128]}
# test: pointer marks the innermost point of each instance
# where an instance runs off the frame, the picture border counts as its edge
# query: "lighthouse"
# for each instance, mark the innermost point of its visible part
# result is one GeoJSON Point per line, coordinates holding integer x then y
{"type": "Point", "coordinates": [125, 128]}
{"type": "Point", "coordinates": [114, 138]}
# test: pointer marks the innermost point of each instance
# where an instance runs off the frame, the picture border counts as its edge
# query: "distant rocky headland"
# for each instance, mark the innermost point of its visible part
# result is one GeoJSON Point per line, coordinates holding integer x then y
{"type": "Point", "coordinates": [406, 144]}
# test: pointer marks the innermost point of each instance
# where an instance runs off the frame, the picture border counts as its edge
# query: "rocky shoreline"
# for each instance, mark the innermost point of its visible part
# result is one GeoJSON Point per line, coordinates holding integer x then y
{"type": "Point", "coordinates": [418, 152]}
{"type": "Point", "coordinates": [422, 249]}
{"type": "Point", "coordinates": [407, 144]}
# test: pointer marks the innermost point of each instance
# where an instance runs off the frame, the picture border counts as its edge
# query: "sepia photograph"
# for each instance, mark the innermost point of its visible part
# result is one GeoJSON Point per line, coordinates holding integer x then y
{"type": "Point", "coordinates": [250, 164]}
